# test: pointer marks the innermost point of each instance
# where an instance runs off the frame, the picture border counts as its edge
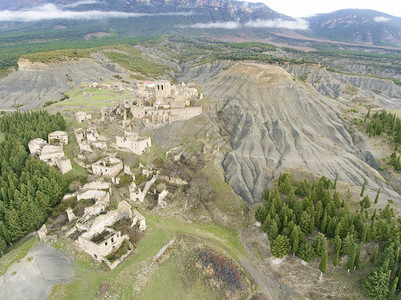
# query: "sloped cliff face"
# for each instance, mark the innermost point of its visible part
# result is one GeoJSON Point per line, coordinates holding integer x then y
{"type": "Point", "coordinates": [275, 122]}
{"type": "Point", "coordinates": [385, 92]}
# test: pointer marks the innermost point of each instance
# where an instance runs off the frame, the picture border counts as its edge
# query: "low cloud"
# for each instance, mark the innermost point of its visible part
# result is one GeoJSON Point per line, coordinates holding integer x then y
{"type": "Point", "coordinates": [381, 19]}
{"type": "Point", "coordinates": [79, 3]}
{"type": "Point", "coordinates": [51, 12]}
{"type": "Point", "coordinates": [278, 23]}
{"type": "Point", "coordinates": [221, 25]}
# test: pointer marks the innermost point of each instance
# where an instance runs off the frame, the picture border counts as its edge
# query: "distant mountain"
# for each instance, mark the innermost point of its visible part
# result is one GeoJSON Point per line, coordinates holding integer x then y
{"type": "Point", "coordinates": [358, 26]}
{"type": "Point", "coordinates": [222, 10]}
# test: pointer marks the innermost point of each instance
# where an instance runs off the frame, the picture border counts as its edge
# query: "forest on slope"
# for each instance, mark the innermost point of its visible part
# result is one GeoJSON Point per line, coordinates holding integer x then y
{"type": "Point", "coordinates": [28, 188]}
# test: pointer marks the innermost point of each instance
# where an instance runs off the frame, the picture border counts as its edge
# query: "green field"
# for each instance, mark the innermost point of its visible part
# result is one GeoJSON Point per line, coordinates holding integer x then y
{"type": "Point", "coordinates": [90, 276]}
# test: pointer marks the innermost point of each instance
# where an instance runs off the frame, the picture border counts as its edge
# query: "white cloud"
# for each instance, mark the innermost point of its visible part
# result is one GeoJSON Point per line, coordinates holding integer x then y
{"type": "Point", "coordinates": [222, 25]}
{"type": "Point", "coordinates": [50, 12]}
{"type": "Point", "coordinates": [278, 23]}
{"type": "Point", "coordinates": [79, 3]}
{"type": "Point", "coordinates": [381, 19]}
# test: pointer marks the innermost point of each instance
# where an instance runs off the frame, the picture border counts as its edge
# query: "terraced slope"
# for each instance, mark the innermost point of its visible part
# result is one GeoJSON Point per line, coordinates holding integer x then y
{"type": "Point", "coordinates": [274, 122]}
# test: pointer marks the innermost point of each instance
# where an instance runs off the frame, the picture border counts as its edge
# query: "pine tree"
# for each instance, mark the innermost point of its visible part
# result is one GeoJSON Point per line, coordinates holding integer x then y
{"type": "Point", "coordinates": [323, 264]}
{"type": "Point", "coordinates": [376, 284]}
{"type": "Point", "coordinates": [335, 182]}
{"type": "Point", "coordinates": [260, 213]}
{"type": "Point", "coordinates": [393, 289]}
{"type": "Point", "coordinates": [351, 261]}
{"type": "Point", "coordinates": [3, 245]}
{"type": "Point", "coordinates": [365, 203]}
{"type": "Point", "coordinates": [358, 256]}
{"type": "Point", "coordinates": [377, 196]}
{"type": "Point", "coordinates": [272, 230]}
{"type": "Point", "coordinates": [306, 252]}
{"type": "Point", "coordinates": [373, 255]}
{"type": "Point", "coordinates": [363, 188]}
{"type": "Point", "coordinates": [280, 246]}
{"type": "Point", "coordinates": [295, 239]}
{"type": "Point", "coordinates": [335, 261]}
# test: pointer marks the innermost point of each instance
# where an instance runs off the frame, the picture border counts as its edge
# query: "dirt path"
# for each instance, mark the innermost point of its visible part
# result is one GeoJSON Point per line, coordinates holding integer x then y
{"type": "Point", "coordinates": [263, 277]}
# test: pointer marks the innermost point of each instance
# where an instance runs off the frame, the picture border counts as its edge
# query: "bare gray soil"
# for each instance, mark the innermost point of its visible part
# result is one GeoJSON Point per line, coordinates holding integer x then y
{"type": "Point", "coordinates": [34, 275]}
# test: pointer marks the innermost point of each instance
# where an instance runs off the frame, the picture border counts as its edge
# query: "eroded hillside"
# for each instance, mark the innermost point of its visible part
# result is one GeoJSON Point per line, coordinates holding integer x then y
{"type": "Point", "coordinates": [272, 121]}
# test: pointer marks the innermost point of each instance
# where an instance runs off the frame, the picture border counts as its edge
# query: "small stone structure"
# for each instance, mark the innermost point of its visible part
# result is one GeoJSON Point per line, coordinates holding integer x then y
{"type": "Point", "coordinates": [50, 153]}
{"type": "Point", "coordinates": [107, 167]}
{"type": "Point", "coordinates": [64, 164]}
{"type": "Point", "coordinates": [136, 194]}
{"type": "Point", "coordinates": [35, 146]}
{"type": "Point", "coordinates": [81, 116]}
{"type": "Point", "coordinates": [42, 233]}
{"type": "Point", "coordinates": [70, 214]}
{"type": "Point", "coordinates": [58, 138]}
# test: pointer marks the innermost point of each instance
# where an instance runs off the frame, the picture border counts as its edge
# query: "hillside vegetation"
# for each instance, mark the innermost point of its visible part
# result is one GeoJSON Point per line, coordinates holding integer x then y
{"type": "Point", "coordinates": [28, 188]}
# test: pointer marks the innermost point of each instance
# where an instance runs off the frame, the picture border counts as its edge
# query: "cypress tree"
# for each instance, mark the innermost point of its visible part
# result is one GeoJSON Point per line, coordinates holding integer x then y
{"type": "Point", "coordinates": [377, 196]}
{"type": "Point", "coordinates": [272, 230]}
{"type": "Point", "coordinates": [358, 256]}
{"type": "Point", "coordinates": [373, 255]}
{"type": "Point", "coordinates": [323, 263]}
{"type": "Point", "coordinates": [393, 288]}
{"type": "Point", "coordinates": [335, 182]}
{"type": "Point", "coordinates": [3, 245]}
{"type": "Point", "coordinates": [351, 261]}
{"type": "Point", "coordinates": [335, 261]}
{"type": "Point", "coordinates": [363, 188]}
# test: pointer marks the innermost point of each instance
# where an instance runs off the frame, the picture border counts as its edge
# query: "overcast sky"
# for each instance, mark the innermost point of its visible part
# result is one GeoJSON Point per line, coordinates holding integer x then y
{"type": "Point", "coordinates": [303, 8]}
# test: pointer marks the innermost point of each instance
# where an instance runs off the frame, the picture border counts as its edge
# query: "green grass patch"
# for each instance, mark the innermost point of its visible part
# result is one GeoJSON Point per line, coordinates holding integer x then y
{"type": "Point", "coordinates": [133, 60]}
{"type": "Point", "coordinates": [121, 279]}
{"type": "Point", "coordinates": [58, 55]}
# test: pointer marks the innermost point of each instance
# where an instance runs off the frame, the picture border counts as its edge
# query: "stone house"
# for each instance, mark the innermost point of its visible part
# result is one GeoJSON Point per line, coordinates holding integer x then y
{"type": "Point", "coordinates": [35, 146]}
{"type": "Point", "coordinates": [81, 116]}
{"type": "Point", "coordinates": [50, 153]}
{"type": "Point", "coordinates": [58, 137]}
{"type": "Point", "coordinates": [108, 167]}
{"type": "Point", "coordinates": [131, 143]}
{"type": "Point", "coordinates": [102, 244]}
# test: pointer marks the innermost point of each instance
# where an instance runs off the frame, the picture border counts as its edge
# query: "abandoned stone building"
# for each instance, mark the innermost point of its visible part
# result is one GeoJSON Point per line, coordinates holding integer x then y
{"type": "Point", "coordinates": [53, 155]}
{"type": "Point", "coordinates": [81, 116]}
{"type": "Point", "coordinates": [107, 167]}
{"type": "Point", "coordinates": [89, 138]}
{"type": "Point", "coordinates": [35, 146]}
{"type": "Point", "coordinates": [131, 142]}
{"type": "Point", "coordinates": [58, 137]}
{"type": "Point", "coordinates": [99, 239]}
{"type": "Point", "coordinates": [162, 89]}
{"type": "Point", "coordinates": [64, 164]}
{"type": "Point", "coordinates": [106, 113]}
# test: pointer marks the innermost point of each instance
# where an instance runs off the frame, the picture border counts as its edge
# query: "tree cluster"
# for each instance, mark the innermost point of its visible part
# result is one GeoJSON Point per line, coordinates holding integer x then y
{"type": "Point", "coordinates": [304, 225]}
{"type": "Point", "coordinates": [28, 188]}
